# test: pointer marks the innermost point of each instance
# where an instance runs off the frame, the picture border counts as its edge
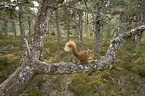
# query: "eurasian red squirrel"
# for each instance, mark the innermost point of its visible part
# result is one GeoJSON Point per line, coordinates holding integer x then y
{"type": "Point", "coordinates": [83, 56]}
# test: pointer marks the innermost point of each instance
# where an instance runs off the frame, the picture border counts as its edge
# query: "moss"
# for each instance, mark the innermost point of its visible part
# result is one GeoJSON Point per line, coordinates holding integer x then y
{"type": "Point", "coordinates": [110, 82]}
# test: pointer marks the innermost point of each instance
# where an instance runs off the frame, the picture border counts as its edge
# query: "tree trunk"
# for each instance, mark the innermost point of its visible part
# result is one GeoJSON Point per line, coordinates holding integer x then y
{"type": "Point", "coordinates": [97, 29]}
{"type": "Point", "coordinates": [5, 27]}
{"type": "Point", "coordinates": [21, 24]}
{"type": "Point", "coordinates": [50, 28]}
{"type": "Point", "coordinates": [67, 24]}
{"type": "Point", "coordinates": [18, 81]}
{"type": "Point", "coordinates": [29, 23]}
{"type": "Point", "coordinates": [101, 29]}
{"type": "Point", "coordinates": [14, 28]}
{"type": "Point", "coordinates": [80, 29]}
{"type": "Point", "coordinates": [141, 16]}
{"type": "Point", "coordinates": [121, 21]}
{"type": "Point", "coordinates": [139, 36]}
{"type": "Point", "coordinates": [76, 28]}
{"type": "Point", "coordinates": [86, 25]}
{"type": "Point", "coordinates": [57, 26]}
{"type": "Point", "coordinates": [101, 34]}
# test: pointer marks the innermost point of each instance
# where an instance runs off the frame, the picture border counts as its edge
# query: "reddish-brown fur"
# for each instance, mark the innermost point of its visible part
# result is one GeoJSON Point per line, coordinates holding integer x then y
{"type": "Point", "coordinates": [83, 56]}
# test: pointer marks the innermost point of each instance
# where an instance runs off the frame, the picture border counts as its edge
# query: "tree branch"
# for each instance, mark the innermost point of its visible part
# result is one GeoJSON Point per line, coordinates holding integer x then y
{"type": "Point", "coordinates": [70, 68]}
{"type": "Point", "coordinates": [28, 47]}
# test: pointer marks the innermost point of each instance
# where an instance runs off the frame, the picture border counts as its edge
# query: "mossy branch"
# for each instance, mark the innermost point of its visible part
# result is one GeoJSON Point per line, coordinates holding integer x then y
{"type": "Point", "coordinates": [70, 68]}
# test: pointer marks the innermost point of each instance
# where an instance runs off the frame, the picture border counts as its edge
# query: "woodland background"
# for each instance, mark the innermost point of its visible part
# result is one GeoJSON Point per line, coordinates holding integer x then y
{"type": "Point", "coordinates": [91, 24]}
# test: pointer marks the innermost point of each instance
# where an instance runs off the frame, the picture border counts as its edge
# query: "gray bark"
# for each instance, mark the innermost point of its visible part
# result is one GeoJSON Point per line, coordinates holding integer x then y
{"type": "Point", "coordinates": [76, 29]}
{"type": "Point", "coordinates": [139, 36]}
{"type": "Point", "coordinates": [80, 29]}
{"type": "Point", "coordinates": [29, 23]}
{"type": "Point", "coordinates": [14, 28]}
{"type": "Point", "coordinates": [21, 24]}
{"type": "Point", "coordinates": [5, 27]}
{"type": "Point", "coordinates": [101, 34]}
{"type": "Point", "coordinates": [57, 26]}
{"type": "Point", "coordinates": [50, 28]}
{"type": "Point", "coordinates": [138, 32]}
{"type": "Point", "coordinates": [97, 29]}
{"type": "Point", "coordinates": [86, 25]}
{"type": "Point", "coordinates": [67, 24]}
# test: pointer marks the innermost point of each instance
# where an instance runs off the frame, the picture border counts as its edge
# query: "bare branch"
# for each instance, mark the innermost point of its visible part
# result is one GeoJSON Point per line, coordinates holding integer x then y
{"type": "Point", "coordinates": [70, 68]}
{"type": "Point", "coordinates": [64, 68]}
{"type": "Point", "coordinates": [28, 47]}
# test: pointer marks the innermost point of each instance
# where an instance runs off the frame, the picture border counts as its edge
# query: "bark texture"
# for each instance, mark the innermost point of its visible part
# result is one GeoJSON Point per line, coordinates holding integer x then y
{"type": "Point", "coordinates": [97, 28]}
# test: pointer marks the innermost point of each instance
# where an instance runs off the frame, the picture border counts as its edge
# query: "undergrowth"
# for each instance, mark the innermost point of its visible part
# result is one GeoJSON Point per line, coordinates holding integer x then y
{"type": "Point", "coordinates": [129, 81]}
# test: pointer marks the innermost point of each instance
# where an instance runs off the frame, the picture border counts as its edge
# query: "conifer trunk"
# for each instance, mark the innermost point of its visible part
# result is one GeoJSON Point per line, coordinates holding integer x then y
{"type": "Point", "coordinates": [97, 29]}
{"type": "Point", "coordinates": [67, 24]}
{"type": "Point", "coordinates": [76, 27]}
{"type": "Point", "coordinates": [14, 28]}
{"type": "Point", "coordinates": [80, 29]}
{"type": "Point", "coordinates": [29, 23]}
{"type": "Point", "coordinates": [21, 24]}
{"type": "Point", "coordinates": [5, 27]}
{"type": "Point", "coordinates": [57, 26]}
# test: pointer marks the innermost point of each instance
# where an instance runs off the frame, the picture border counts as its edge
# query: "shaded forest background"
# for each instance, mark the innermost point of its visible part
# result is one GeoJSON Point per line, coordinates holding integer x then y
{"type": "Point", "coordinates": [90, 23]}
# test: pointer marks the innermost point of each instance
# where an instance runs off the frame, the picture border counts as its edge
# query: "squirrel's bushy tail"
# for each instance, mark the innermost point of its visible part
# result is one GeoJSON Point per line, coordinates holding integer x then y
{"type": "Point", "coordinates": [69, 45]}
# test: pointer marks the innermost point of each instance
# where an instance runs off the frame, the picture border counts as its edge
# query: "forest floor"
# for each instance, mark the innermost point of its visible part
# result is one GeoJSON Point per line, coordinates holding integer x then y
{"type": "Point", "coordinates": [129, 81]}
